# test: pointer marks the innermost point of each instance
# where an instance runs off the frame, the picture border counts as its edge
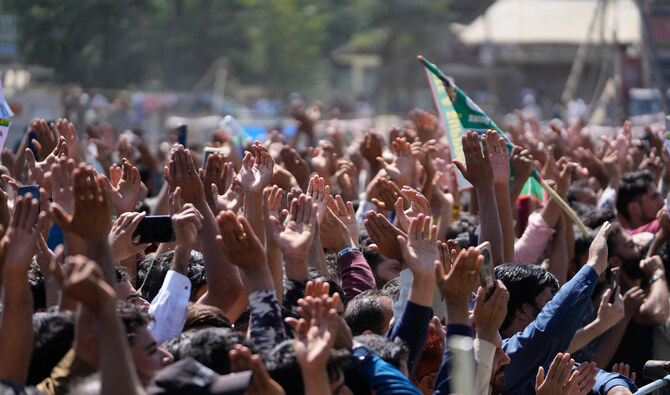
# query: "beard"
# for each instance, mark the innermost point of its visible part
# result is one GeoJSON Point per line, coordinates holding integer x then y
{"type": "Point", "coordinates": [631, 266]}
{"type": "Point", "coordinates": [498, 381]}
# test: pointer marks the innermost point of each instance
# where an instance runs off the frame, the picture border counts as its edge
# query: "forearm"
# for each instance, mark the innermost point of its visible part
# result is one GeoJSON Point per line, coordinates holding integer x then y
{"type": "Point", "coordinates": [16, 330]}
{"type": "Point", "coordinates": [99, 250]}
{"type": "Point", "coordinates": [551, 212]}
{"type": "Point", "coordinates": [162, 202]}
{"type": "Point", "coordinates": [506, 220]}
{"type": "Point", "coordinates": [585, 335]}
{"type": "Point", "coordinates": [316, 258]}
{"type": "Point", "coordinates": [657, 243]}
{"type": "Point", "coordinates": [296, 268]}
{"type": "Point", "coordinates": [609, 343]}
{"type": "Point", "coordinates": [558, 262]}
{"type": "Point", "coordinates": [130, 264]}
{"type": "Point", "coordinates": [422, 289]}
{"type": "Point", "coordinates": [315, 381]}
{"type": "Point", "coordinates": [490, 229]}
{"type": "Point", "coordinates": [253, 211]}
{"type": "Point", "coordinates": [654, 311]}
{"type": "Point", "coordinates": [273, 254]}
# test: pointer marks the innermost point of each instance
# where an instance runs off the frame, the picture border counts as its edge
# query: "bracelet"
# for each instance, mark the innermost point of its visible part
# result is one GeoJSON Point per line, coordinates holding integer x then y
{"type": "Point", "coordinates": [346, 251]}
{"type": "Point", "coordinates": [656, 277]}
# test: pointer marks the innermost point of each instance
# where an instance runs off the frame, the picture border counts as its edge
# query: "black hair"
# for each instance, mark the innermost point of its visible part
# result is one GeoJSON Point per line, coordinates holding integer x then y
{"type": "Point", "coordinates": [463, 229]}
{"type": "Point", "coordinates": [632, 186]}
{"type": "Point", "coordinates": [333, 269]}
{"type": "Point", "coordinates": [133, 317]}
{"type": "Point", "coordinates": [200, 316]}
{"type": "Point", "coordinates": [524, 283]}
{"type": "Point", "coordinates": [365, 312]}
{"type": "Point", "coordinates": [37, 287]}
{"type": "Point", "coordinates": [582, 245]}
{"type": "Point", "coordinates": [154, 280]}
{"type": "Point", "coordinates": [391, 351]}
{"type": "Point", "coordinates": [283, 366]}
{"type": "Point", "coordinates": [242, 323]}
{"type": "Point", "coordinates": [575, 190]}
{"type": "Point", "coordinates": [209, 346]}
{"type": "Point", "coordinates": [53, 333]}
{"type": "Point", "coordinates": [392, 288]}
{"type": "Point", "coordinates": [595, 218]}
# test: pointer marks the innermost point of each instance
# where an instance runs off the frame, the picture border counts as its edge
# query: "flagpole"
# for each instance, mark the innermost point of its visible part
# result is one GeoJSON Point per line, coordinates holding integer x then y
{"type": "Point", "coordinates": [568, 210]}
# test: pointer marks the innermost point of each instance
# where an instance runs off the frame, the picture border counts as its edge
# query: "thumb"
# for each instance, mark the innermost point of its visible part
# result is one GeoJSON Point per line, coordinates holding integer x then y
{"type": "Point", "coordinates": [215, 190]}
{"type": "Point", "coordinates": [31, 157]}
{"type": "Point", "coordinates": [382, 162]}
{"type": "Point", "coordinates": [539, 379]}
{"type": "Point", "coordinates": [460, 166]}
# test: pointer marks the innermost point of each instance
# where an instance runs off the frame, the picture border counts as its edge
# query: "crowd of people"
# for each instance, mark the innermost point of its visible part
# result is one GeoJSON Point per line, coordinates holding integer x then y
{"type": "Point", "coordinates": [334, 266]}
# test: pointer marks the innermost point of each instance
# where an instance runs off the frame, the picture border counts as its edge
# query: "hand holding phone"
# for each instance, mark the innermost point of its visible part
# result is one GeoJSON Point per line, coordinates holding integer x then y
{"type": "Point", "coordinates": [614, 283]}
{"type": "Point", "coordinates": [155, 229]}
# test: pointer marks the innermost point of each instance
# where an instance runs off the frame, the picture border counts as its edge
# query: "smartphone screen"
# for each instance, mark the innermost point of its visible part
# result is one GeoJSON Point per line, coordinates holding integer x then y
{"type": "Point", "coordinates": [181, 134]}
{"type": "Point", "coordinates": [208, 152]}
{"type": "Point", "coordinates": [614, 283]}
{"type": "Point", "coordinates": [34, 190]}
{"type": "Point", "coordinates": [486, 274]}
{"type": "Point", "coordinates": [155, 229]}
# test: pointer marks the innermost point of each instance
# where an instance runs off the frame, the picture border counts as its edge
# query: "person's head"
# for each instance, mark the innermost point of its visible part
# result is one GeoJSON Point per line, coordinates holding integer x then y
{"type": "Point", "coordinates": [530, 288]}
{"type": "Point", "coordinates": [638, 201]}
{"type": "Point", "coordinates": [582, 244]}
{"type": "Point", "coordinates": [391, 288]}
{"type": "Point", "coordinates": [209, 346]}
{"type": "Point", "coordinates": [500, 360]}
{"type": "Point", "coordinates": [37, 288]}
{"type": "Point", "coordinates": [126, 292]}
{"type": "Point", "coordinates": [283, 367]}
{"type": "Point", "coordinates": [200, 316]}
{"type": "Point", "coordinates": [623, 252]}
{"type": "Point", "coordinates": [394, 352]}
{"type": "Point", "coordinates": [581, 192]}
{"type": "Point", "coordinates": [383, 268]}
{"type": "Point", "coordinates": [147, 356]}
{"type": "Point", "coordinates": [54, 333]}
{"type": "Point", "coordinates": [369, 313]}
{"type": "Point", "coordinates": [595, 218]}
{"type": "Point", "coordinates": [429, 364]}
{"type": "Point", "coordinates": [155, 277]}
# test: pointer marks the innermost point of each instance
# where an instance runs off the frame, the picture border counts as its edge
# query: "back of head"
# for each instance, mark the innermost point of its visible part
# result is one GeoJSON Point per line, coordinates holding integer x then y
{"type": "Point", "coordinates": [155, 275]}
{"type": "Point", "coordinates": [524, 283]}
{"type": "Point", "coordinates": [54, 333]}
{"type": "Point", "coordinates": [133, 318]}
{"type": "Point", "coordinates": [391, 351]}
{"type": "Point", "coordinates": [200, 316]}
{"type": "Point", "coordinates": [632, 186]}
{"type": "Point", "coordinates": [209, 346]}
{"type": "Point", "coordinates": [366, 312]}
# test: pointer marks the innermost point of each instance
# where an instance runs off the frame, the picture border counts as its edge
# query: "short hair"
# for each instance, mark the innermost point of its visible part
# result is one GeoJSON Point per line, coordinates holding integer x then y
{"type": "Point", "coordinates": [53, 333]}
{"type": "Point", "coordinates": [365, 312]}
{"type": "Point", "coordinates": [154, 280]}
{"type": "Point", "coordinates": [391, 351]}
{"type": "Point", "coordinates": [463, 228]}
{"type": "Point", "coordinates": [209, 346]}
{"type": "Point", "coordinates": [575, 190]}
{"type": "Point", "coordinates": [392, 288]}
{"type": "Point", "coordinates": [333, 269]}
{"type": "Point", "coordinates": [373, 259]}
{"type": "Point", "coordinates": [431, 357]}
{"type": "Point", "coordinates": [616, 231]}
{"type": "Point", "coordinates": [133, 317]}
{"type": "Point", "coordinates": [582, 245]}
{"type": "Point", "coordinates": [283, 366]}
{"type": "Point", "coordinates": [595, 218]}
{"type": "Point", "coordinates": [524, 283]}
{"type": "Point", "coordinates": [633, 184]}
{"type": "Point", "coordinates": [199, 316]}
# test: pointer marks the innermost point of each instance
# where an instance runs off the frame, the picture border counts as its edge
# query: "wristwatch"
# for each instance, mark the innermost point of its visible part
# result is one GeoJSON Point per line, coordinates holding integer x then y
{"type": "Point", "coordinates": [656, 277]}
{"type": "Point", "coordinates": [346, 251]}
{"type": "Point", "coordinates": [360, 354]}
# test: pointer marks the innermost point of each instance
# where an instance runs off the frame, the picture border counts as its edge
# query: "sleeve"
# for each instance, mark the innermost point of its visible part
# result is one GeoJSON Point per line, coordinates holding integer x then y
{"type": "Point", "coordinates": [363, 207]}
{"type": "Point", "coordinates": [606, 201]}
{"type": "Point", "coordinates": [531, 245]}
{"type": "Point", "coordinates": [267, 325]}
{"type": "Point", "coordinates": [484, 353]}
{"type": "Point", "coordinates": [605, 381]}
{"type": "Point", "coordinates": [550, 333]}
{"type": "Point", "coordinates": [356, 275]}
{"type": "Point", "coordinates": [69, 369]}
{"type": "Point", "coordinates": [170, 306]}
{"type": "Point", "coordinates": [444, 374]}
{"type": "Point", "coordinates": [412, 328]}
{"type": "Point", "coordinates": [385, 379]}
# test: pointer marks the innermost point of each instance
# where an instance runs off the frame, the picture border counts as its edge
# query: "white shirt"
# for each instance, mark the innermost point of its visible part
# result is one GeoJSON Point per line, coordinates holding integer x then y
{"type": "Point", "coordinates": [169, 307]}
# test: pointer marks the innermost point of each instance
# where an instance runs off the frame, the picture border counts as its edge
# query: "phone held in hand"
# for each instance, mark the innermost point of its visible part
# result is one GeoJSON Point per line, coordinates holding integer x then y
{"type": "Point", "coordinates": [34, 190]}
{"type": "Point", "coordinates": [614, 283]}
{"type": "Point", "coordinates": [181, 134]}
{"type": "Point", "coordinates": [208, 151]}
{"type": "Point", "coordinates": [486, 273]}
{"type": "Point", "coordinates": [155, 229]}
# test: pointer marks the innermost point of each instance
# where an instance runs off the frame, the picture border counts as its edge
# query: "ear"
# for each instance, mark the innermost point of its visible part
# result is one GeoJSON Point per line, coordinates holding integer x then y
{"type": "Point", "coordinates": [614, 261]}
{"type": "Point", "coordinates": [634, 209]}
{"type": "Point", "coordinates": [522, 314]}
{"type": "Point", "coordinates": [367, 332]}
{"type": "Point", "coordinates": [427, 384]}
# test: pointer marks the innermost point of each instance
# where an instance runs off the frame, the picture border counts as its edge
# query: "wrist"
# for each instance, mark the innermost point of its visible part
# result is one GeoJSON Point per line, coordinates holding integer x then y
{"type": "Point", "coordinates": [345, 246]}
{"type": "Point", "coordinates": [458, 314]}
{"type": "Point", "coordinates": [487, 333]}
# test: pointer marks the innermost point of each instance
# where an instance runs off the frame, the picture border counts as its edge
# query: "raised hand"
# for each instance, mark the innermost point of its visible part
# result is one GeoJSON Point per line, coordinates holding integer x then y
{"type": "Point", "coordinates": [84, 283]}
{"type": "Point", "coordinates": [388, 193]}
{"type": "Point", "coordinates": [187, 223]}
{"type": "Point", "coordinates": [611, 313]}
{"type": "Point", "coordinates": [402, 167]}
{"type": "Point", "coordinates": [256, 170]}
{"type": "Point", "coordinates": [346, 214]}
{"type": "Point", "coordinates": [632, 300]}
{"type": "Point", "coordinates": [296, 238]}
{"type": "Point", "coordinates": [419, 249]}
{"type": "Point", "coordinates": [241, 359]}
{"type": "Point", "coordinates": [218, 173]}
{"type": "Point", "coordinates": [61, 184]}
{"type": "Point", "coordinates": [181, 172]}
{"type": "Point", "coordinates": [522, 164]}
{"type": "Point", "coordinates": [499, 158]}
{"type": "Point", "coordinates": [384, 234]}
{"type": "Point", "coordinates": [231, 200]}
{"type": "Point", "coordinates": [91, 218]}
{"type": "Point", "coordinates": [419, 205]}
{"type": "Point", "coordinates": [347, 178]}
{"type": "Point", "coordinates": [68, 131]}
{"type": "Point", "coordinates": [47, 138]}
{"type": "Point", "coordinates": [334, 234]}
{"type": "Point", "coordinates": [426, 124]}
{"type": "Point", "coordinates": [560, 378]}
{"type": "Point", "coordinates": [456, 287]}
{"type": "Point", "coordinates": [624, 369]}
{"type": "Point", "coordinates": [319, 191]}
{"type": "Point", "coordinates": [121, 236]}
{"type": "Point", "coordinates": [19, 242]}
{"type": "Point", "coordinates": [125, 193]}
{"type": "Point", "coordinates": [586, 380]}
{"type": "Point", "coordinates": [295, 164]}
{"type": "Point", "coordinates": [479, 170]}
{"type": "Point", "coordinates": [239, 242]}
{"type": "Point", "coordinates": [598, 250]}
{"type": "Point", "coordinates": [490, 313]}
{"type": "Point", "coordinates": [371, 147]}
{"type": "Point", "coordinates": [38, 170]}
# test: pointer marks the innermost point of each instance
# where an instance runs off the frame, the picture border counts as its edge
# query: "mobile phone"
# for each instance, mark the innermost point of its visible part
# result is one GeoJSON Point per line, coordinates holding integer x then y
{"type": "Point", "coordinates": [614, 283]}
{"type": "Point", "coordinates": [34, 190]}
{"type": "Point", "coordinates": [181, 134]}
{"type": "Point", "coordinates": [155, 229]}
{"type": "Point", "coordinates": [486, 273]}
{"type": "Point", "coordinates": [208, 151]}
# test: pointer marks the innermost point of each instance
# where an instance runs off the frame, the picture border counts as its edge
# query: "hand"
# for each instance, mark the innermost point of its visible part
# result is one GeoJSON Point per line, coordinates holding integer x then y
{"type": "Point", "coordinates": [522, 164]}
{"type": "Point", "coordinates": [296, 238]}
{"type": "Point", "coordinates": [632, 300]}
{"type": "Point", "coordinates": [664, 220]}
{"type": "Point", "coordinates": [586, 380]}
{"type": "Point", "coordinates": [347, 178]}
{"type": "Point", "coordinates": [611, 313]}
{"type": "Point", "coordinates": [241, 359]}
{"type": "Point", "coordinates": [560, 378]}
{"type": "Point", "coordinates": [388, 193]}
{"type": "Point", "coordinates": [84, 283]}
{"type": "Point", "coordinates": [624, 369]}
{"type": "Point", "coordinates": [315, 339]}
{"type": "Point", "coordinates": [479, 169]}
{"type": "Point", "coordinates": [68, 131]}
{"type": "Point", "coordinates": [402, 167]}
{"type": "Point", "coordinates": [181, 172]}
{"type": "Point", "coordinates": [652, 266]}
{"type": "Point", "coordinates": [91, 218]}
{"type": "Point", "coordinates": [456, 287]}
{"type": "Point", "coordinates": [334, 234]}
{"type": "Point", "coordinates": [346, 214]}
{"type": "Point", "coordinates": [38, 170]}
{"type": "Point", "coordinates": [61, 184]}
{"type": "Point", "coordinates": [47, 137]}
{"type": "Point", "coordinates": [426, 124]}
{"type": "Point", "coordinates": [598, 250]}
{"type": "Point", "coordinates": [419, 250]}
{"type": "Point", "coordinates": [256, 170]}
{"type": "Point", "coordinates": [121, 236]}
{"type": "Point", "coordinates": [232, 200]}
{"type": "Point", "coordinates": [384, 234]}
{"type": "Point", "coordinates": [320, 193]}
{"type": "Point", "coordinates": [490, 313]}
{"type": "Point", "coordinates": [371, 147]}
{"type": "Point", "coordinates": [124, 195]}
{"type": "Point", "coordinates": [187, 223]}
{"type": "Point", "coordinates": [271, 208]}
{"type": "Point", "coordinates": [419, 205]}
{"type": "Point", "coordinates": [218, 173]}
{"type": "Point", "coordinates": [323, 159]}
{"type": "Point", "coordinates": [499, 158]}
{"type": "Point", "coordinates": [295, 164]}
{"type": "Point", "coordinates": [239, 242]}
{"type": "Point", "coordinates": [18, 244]}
